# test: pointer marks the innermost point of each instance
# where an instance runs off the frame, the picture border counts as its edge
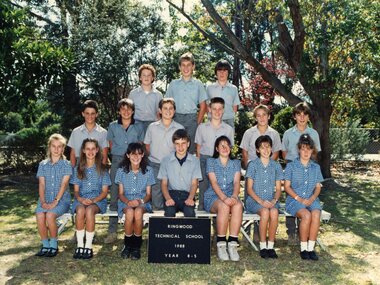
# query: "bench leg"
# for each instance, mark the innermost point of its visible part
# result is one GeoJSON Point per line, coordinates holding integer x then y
{"type": "Point", "coordinates": [248, 238]}
{"type": "Point", "coordinates": [62, 225]}
{"type": "Point", "coordinates": [322, 246]}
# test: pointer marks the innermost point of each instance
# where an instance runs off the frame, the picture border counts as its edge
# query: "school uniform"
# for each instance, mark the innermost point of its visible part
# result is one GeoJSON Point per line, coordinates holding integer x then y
{"type": "Point", "coordinates": [303, 180]}
{"type": "Point", "coordinates": [179, 179]}
{"type": "Point", "coordinates": [134, 185]}
{"type": "Point", "coordinates": [230, 95]}
{"type": "Point", "coordinates": [206, 136]}
{"type": "Point", "coordinates": [264, 178]}
{"type": "Point", "coordinates": [187, 96]}
{"type": "Point", "coordinates": [91, 187]}
{"type": "Point", "coordinates": [224, 176]}
{"type": "Point", "coordinates": [53, 174]}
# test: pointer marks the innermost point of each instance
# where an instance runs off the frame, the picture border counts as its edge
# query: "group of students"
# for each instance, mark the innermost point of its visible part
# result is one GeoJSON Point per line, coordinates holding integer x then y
{"type": "Point", "coordinates": [162, 153]}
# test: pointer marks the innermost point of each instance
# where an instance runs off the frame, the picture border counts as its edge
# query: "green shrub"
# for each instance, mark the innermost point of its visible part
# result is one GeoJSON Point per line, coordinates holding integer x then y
{"type": "Point", "coordinates": [11, 123]}
{"type": "Point", "coordinates": [283, 120]}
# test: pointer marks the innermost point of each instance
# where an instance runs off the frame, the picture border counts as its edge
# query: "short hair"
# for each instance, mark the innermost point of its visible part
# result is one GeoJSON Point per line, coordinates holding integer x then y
{"type": "Point", "coordinates": [126, 102]}
{"type": "Point", "coordinates": [223, 65]}
{"type": "Point", "coordinates": [260, 140]}
{"type": "Point", "coordinates": [180, 134]}
{"type": "Point", "coordinates": [90, 104]}
{"type": "Point", "coordinates": [148, 67]}
{"type": "Point", "coordinates": [216, 100]}
{"type": "Point", "coordinates": [56, 137]}
{"type": "Point", "coordinates": [301, 107]}
{"type": "Point", "coordinates": [217, 142]}
{"type": "Point", "coordinates": [165, 101]}
{"type": "Point", "coordinates": [305, 139]}
{"type": "Point", "coordinates": [261, 107]}
{"type": "Point", "coordinates": [187, 56]}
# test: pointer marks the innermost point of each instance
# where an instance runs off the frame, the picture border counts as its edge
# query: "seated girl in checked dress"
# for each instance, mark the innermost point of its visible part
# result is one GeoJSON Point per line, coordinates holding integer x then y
{"type": "Point", "coordinates": [264, 189]}
{"type": "Point", "coordinates": [91, 181]}
{"type": "Point", "coordinates": [134, 178]}
{"type": "Point", "coordinates": [54, 198]}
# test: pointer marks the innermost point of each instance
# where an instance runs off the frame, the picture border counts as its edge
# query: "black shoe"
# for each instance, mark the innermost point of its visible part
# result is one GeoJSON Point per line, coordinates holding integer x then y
{"type": "Point", "coordinates": [313, 255]}
{"type": "Point", "coordinates": [272, 253]}
{"type": "Point", "coordinates": [126, 252]}
{"type": "Point", "coordinates": [78, 253]}
{"type": "Point", "coordinates": [43, 251]}
{"type": "Point", "coordinates": [135, 253]}
{"type": "Point", "coordinates": [52, 252]}
{"type": "Point", "coordinates": [264, 253]}
{"type": "Point", "coordinates": [87, 253]}
{"type": "Point", "coordinates": [305, 254]}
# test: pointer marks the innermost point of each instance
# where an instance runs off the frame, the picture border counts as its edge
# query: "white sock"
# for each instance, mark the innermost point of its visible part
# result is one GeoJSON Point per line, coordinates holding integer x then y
{"type": "Point", "coordinates": [263, 245]}
{"type": "Point", "coordinates": [89, 238]}
{"type": "Point", "coordinates": [80, 238]}
{"type": "Point", "coordinates": [310, 246]}
{"type": "Point", "coordinates": [270, 244]}
{"type": "Point", "coordinates": [303, 245]}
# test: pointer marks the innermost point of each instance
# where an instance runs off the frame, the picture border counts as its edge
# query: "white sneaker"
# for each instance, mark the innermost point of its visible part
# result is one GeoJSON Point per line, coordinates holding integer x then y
{"type": "Point", "coordinates": [222, 251]}
{"type": "Point", "coordinates": [232, 251]}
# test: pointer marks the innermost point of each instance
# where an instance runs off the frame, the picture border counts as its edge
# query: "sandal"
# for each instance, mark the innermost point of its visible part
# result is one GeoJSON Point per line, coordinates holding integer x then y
{"type": "Point", "coordinates": [52, 252]}
{"type": "Point", "coordinates": [43, 251]}
{"type": "Point", "coordinates": [78, 254]}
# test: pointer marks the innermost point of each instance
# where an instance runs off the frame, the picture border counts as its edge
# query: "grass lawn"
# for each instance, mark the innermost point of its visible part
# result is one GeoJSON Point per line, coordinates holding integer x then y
{"type": "Point", "coordinates": [352, 238]}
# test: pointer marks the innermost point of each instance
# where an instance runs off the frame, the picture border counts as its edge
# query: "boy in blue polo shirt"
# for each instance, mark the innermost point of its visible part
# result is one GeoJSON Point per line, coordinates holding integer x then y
{"type": "Point", "coordinates": [121, 133]}
{"type": "Point", "coordinates": [188, 93]}
{"type": "Point", "coordinates": [179, 174]}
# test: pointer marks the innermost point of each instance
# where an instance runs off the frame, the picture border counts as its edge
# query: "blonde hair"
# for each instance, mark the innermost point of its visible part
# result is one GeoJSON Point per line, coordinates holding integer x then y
{"type": "Point", "coordinates": [261, 107]}
{"type": "Point", "coordinates": [56, 137]}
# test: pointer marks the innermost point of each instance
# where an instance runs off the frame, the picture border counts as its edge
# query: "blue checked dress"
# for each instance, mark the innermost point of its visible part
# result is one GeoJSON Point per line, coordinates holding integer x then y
{"type": "Point", "coordinates": [134, 185]}
{"type": "Point", "coordinates": [91, 187]}
{"type": "Point", "coordinates": [264, 178]}
{"type": "Point", "coordinates": [53, 174]}
{"type": "Point", "coordinates": [224, 176]}
{"type": "Point", "coordinates": [303, 181]}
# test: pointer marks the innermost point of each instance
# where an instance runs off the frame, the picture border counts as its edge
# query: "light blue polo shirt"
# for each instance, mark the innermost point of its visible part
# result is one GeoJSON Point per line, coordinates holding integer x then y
{"type": "Point", "coordinates": [79, 134]}
{"type": "Point", "coordinates": [291, 138]}
{"type": "Point", "coordinates": [121, 137]}
{"type": "Point", "coordinates": [229, 93]}
{"type": "Point", "coordinates": [180, 177]}
{"type": "Point", "coordinates": [186, 94]}
{"type": "Point", "coordinates": [146, 103]}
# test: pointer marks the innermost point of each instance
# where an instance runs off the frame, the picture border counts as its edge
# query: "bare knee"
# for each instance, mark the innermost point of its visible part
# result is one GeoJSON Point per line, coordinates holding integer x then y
{"type": "Point", "coordinates": [51, 217]}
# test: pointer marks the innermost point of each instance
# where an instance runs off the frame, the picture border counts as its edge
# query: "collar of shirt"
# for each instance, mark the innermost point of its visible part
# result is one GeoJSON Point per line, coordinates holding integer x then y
{"type": "Point", "coordinates": [96, 128]}
{"type": "Point", "coordinates": [140, 89]}
{"type": "Point", "coordinates": [185, 81]}
{"type": "Point", "coordinates": [295, 129]}
{"type": "Point", "coordinates": [120, 122]}
{"type": "Point", "coordinates": [228, 84]}
{"type": "Point", "coordinates": [182, 160]}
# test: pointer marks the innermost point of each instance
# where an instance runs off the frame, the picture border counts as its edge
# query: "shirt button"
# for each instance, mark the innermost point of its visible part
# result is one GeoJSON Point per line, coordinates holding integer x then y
{"type": "Point", "coordinates": [305, 182]}
{"type": "Point", "coordinates": [224, 186]}
{"type": "Point", "coordinates": [52, 184]}
{"type": "Point", "coordinates": [89, 183]}
{"type": "Point", "coordinates": [304, 193]}
{"type": "Point", "coordinates": [134, 177]}
{"type": "Point", "coordinates": [265, 181]}
{"type": "Point", "coordinates": [305, 170]}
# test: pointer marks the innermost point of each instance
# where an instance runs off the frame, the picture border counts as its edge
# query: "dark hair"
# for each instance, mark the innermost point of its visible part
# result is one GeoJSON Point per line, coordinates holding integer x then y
{"type": "Point", "coordinates": [134, 148]}
{"type": "Point", "coordinates": [148, 67]}
{"type": "Point", "coordinates": [166, 100]}
{"type": "Point", "coordinates": [100, 168]}
{"type": "Point", "coordinates": [301, 107]}
{"type": "Point", "coordinates": [129, 103]}
{"type": "Point", "coordinates": [180, 134]}
{"type": "Point", "coordinates": [217, 142]}
{"type": "Point", "coordinates": [90, 104]}
{"type": "Point", "coordinates": [260, 140]}
{"type": "Point", "coordinates": [215, 100]}
{"type": "Point", "coordinates": [223, 65]}
{"type": "Point", "coordinates": [188, 56]}
{"type": "Point", "coordinates": [305, 139]}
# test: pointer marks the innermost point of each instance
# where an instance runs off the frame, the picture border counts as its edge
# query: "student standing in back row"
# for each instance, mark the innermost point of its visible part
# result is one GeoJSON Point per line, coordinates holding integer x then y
{"type": "Point", "coordinates": [146, 97]}
{"type": "Point", "coordinates": [188, 93]}
{"type": "Point", "coordinates": [222, 88]}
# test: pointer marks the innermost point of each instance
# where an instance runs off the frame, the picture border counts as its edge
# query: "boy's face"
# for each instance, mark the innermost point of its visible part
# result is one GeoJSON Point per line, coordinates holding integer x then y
{"type": "Point", "coordinates": [126, 112]}
{"type": "Point", "coordinates": [305, 152]}
{"type": "Point", "coordinates": [186, 68]}
{"type": "Point", "coordinates": [146, 77]}
{"type": "Point", "coordinates": [167, 111]}
{"type": "Point", "coordinates": [265, 150]}
{"type": "Point", "coordinates": [222, 75]}
{"type": "Point", "coordinates": [90, 150]}
{"type": "Point", "coordinates": [89, 115]}
{"type": "Point", "coordinates": [56, 149]}
{"type": "Point", "coordinates": [302, 119]}
{"type": "Point", "coordinates": [262, 117]}
{"type": "Point", "coordinates": [181, 147]}
{"type": "Point", "coordinates": [216, 111]}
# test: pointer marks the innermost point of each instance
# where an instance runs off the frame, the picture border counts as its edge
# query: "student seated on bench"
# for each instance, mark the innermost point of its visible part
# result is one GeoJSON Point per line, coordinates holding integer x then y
{"type": "Point", "coordinates": [221, 197]}
{"type": "Point", "coordinates": [179, 174]}
{"type": "Point", "coordinates": [302, 184]}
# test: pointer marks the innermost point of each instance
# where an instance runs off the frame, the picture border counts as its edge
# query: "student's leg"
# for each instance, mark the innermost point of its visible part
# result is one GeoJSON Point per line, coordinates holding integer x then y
{"type": "Point", "coordinates": [79, 217]}
{"type": "Point", "coordinates": [129, 219]}
{"type": "Point", "coordinates": [263, 226]}
{"type": "Point", "coordinates": [222, 218]}
{"type": "Point", "coordinates": [304, 229]}
{"type": "Point", "coordinates": [42, 230]}
{"type": "Point", "coordinates": [234, 228]}
{"type": "Point", "coordinates": [137, 237]}
{"type": "Point", "coordinates": [90, 213]}
{"type": "Point", "coordinates": [203, 185]}
{"type": "Point", "coordinates": [273, 223]}
{"type": "Point", "coordinates": [157, 197]}
{"type": "Point", "coordinates": [188, 211]}
{"type": "Point", "coordinates": [51, 219]}
{"type": "Point", "coordinates": [314, 228]}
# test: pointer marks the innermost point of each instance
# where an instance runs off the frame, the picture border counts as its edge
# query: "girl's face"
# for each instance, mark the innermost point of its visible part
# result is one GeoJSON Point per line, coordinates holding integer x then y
{"type": "Point", "coordinates": [305, 152]}
{"type": "Point", "coordinates": [90, 150]}
{"type": "Point", "coordinates": [265, 150]}
{"type": "Point", "coordinates": [135, 158]}
{"type": "Point", "coordinates": [56, 149]}
{"type": "Point", "coordinates": [223, 149]}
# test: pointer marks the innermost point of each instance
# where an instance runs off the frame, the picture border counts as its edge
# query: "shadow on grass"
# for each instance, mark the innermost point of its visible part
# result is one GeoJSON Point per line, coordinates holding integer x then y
{"type": "Point", "coordinates": [355, 206]}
